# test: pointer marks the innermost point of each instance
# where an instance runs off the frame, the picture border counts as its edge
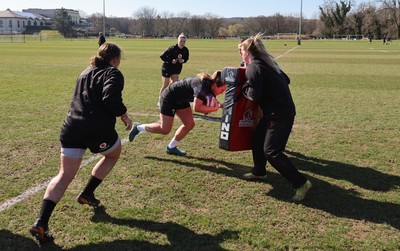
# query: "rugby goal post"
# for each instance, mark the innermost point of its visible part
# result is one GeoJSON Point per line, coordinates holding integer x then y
{"type": "Point", "coordinates": [287, 36]}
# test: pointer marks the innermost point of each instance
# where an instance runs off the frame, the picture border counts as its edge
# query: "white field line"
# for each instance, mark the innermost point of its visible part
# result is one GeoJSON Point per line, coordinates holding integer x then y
{"type": "Point", "coordinates": [31, 191]}
{"type": "Point", "coordinates": [286, 52]}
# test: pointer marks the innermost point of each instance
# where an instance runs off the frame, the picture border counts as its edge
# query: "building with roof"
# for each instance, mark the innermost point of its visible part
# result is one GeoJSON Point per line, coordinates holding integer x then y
{"type": "Point", "coordinates": [31, 20]}
{"type": "Point", "coordinates": [50, 13]}
{"type": "Point", "coordinates": [16, 22]}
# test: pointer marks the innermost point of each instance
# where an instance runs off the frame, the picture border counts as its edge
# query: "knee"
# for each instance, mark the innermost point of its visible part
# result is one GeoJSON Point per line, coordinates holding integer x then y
{"type": "Point", "coordinates": [271, 154]}
{"type": "Point", "coordinates": [165, 131]}
{"type": "Point", "coordinates": [190, 125]}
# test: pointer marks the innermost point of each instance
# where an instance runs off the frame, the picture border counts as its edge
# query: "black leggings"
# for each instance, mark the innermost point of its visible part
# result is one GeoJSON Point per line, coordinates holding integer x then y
{"type": "Point", "coordinates": [268, 143]}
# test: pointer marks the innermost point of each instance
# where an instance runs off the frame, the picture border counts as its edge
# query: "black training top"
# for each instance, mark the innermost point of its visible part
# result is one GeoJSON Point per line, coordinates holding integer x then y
{"type": "Point", "coordinates": [269, 88]}
{"type": "Point", "coordinates": [174, 52]}
{"type": "Point", "coordinates": [185, 90]}
{"type": "Point", "coordinates": [97, 99]}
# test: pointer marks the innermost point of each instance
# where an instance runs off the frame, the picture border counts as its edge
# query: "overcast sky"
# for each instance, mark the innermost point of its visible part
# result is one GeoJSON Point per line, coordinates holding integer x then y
{"type": "Point", "coordinates": [223, 8]}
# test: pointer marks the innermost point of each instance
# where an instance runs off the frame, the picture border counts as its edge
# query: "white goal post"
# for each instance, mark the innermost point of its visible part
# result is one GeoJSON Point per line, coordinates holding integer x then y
{"type": "Point", "coordinates": [287, 36]}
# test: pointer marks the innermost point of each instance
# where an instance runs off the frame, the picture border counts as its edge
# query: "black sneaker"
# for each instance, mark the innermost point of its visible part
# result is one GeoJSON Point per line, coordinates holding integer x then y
{"type": "Point", "coordinates": [41, 233]}
{"type": "Point", "coordinates": [88, 200]}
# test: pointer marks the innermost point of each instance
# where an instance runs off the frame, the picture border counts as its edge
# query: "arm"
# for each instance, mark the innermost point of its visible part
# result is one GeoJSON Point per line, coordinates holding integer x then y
{"type": "Point", "coordinates": [185, 56]}
{"type": "Point", "coordinates": [253, 88]}
{"type": "Point", "coordinates": [112, 96]}
{"type": "Point", "coordinates": [166, 55]}
{"type": "Point", "coordinates": [198, 106]}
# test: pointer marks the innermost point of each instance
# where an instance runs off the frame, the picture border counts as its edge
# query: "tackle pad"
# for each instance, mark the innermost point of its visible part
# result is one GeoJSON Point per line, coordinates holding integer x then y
{"type": "Point", "coordinates": [240, 115]}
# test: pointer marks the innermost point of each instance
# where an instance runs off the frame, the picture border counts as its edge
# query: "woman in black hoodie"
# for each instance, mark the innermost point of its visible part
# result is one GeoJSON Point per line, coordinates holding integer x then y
{"type": "Point", "coordinates": [268, 85]}
{"type": "Point", "coordinates": [90, 123]}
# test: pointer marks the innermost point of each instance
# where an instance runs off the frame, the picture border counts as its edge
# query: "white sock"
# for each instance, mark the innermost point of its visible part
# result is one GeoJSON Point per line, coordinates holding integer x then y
{"type": "Point", "coordinates": [141, 128]}
{"type": "Point", "coordinates": [173, 143]}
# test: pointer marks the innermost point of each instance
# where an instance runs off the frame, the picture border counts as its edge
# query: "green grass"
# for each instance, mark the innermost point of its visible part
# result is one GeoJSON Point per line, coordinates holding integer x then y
{"type": "Point", "coordinates": [345, 139]}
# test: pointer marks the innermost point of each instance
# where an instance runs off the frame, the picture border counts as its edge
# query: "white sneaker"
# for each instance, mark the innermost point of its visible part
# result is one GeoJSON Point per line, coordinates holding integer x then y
{"type": "Point", "coordinates": [301, 192]}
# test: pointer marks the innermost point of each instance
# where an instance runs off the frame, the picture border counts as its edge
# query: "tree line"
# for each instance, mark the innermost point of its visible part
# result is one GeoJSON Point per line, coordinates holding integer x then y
{"type": "Point", "coordinates": [336, 17]}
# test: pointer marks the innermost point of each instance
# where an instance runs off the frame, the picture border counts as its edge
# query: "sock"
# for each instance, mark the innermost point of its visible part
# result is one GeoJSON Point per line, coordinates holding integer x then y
{"type": "Point", "coordinates": [173, 143]}
{"type": "Point", "coordinates": [45, 212]}
{"type": "Point", "coordinates": [141, 128]}
{"type": "Point", "coordinates": [92, 184]}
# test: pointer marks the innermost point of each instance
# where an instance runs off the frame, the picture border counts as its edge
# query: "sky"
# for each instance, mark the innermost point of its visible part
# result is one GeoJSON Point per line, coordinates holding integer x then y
{"type": "Point", "coordinates": [222, 8]}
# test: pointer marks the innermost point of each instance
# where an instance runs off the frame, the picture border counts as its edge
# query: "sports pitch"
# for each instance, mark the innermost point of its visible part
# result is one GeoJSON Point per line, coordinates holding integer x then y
{"type": "Point", "coordinates": [345, 139]}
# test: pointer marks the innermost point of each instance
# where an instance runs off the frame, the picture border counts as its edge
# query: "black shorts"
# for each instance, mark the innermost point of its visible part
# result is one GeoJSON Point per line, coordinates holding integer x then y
{"type": "Point", "coordinates": [97, 142]}
{"type": "Point", "coordinates": [168, 107]}
{"type": "Point", "coordinates": [170, 69]}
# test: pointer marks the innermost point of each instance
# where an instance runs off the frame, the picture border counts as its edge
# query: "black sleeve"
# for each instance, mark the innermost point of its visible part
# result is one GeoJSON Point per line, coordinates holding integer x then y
{"type": "Point", "coordinates": [112, 92]}
{"type": "Point", "coordinates": [186, 55]}
{"type": "Point", "coordinates": [286, 77]}
{"type": "Point", "coordinates": [253, 88]}
{"type": "Point", "coordinates": [166, 55]}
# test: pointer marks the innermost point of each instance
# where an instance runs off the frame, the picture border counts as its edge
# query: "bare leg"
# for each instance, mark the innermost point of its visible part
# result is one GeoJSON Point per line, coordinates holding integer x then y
{"type": "Point", "coordinates": [106, 164]}
{"type": "Point", "coordinates": [164, 127]}
{"type": "Point", "coordinates": [186, 116]}
{"type": "Point", "coordinates": [57, 186]}
{"type": "Point", "coordinates": [174, 78]}
{"type": "Point", "coordinates": [165, 83]}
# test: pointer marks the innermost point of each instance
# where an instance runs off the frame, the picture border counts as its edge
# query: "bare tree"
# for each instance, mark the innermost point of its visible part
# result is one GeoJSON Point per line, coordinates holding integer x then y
{"type": "Point", "coordinates": [164, 23]}
{"type": "Point", "coordinates": [196, 25]}
{"type": "Point", "coordinates": [334, 16]}
{"type": "Point", "coordinates": [146, 17]}
{"type": "Point", "coordinates": [236, 30]}
{"type": "Point", "coordinates": [213, 23]}
{"type": "Point", "coordinates": [96, 21]}
{"type": "Point", "coordinates": [181, 22]}
{"type": "Point", "coordinates": [391, 11]}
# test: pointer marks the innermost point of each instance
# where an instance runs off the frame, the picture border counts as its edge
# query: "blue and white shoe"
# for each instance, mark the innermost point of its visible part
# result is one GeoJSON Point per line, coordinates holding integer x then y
{"type": "Point", "coordinates": [175, 151]}
{"type": "Point", "coordinates": [134, 131]}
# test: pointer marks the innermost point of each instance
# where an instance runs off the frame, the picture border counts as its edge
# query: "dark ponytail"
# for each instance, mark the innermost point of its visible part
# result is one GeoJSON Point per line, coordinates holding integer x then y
{"type": "Point", "coordinates": [106, 53]}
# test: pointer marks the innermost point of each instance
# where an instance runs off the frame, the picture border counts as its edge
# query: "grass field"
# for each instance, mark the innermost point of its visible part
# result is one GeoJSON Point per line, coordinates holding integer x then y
{"type": "Point", "coordinates": [345, 139]}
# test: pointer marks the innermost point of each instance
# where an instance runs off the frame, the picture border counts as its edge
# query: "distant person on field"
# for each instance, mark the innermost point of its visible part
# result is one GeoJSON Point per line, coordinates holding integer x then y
{"type": "Point", "coordinates": [388, 39]}
{"type": "Point", "coordinates": [268, 85]}
{"type": "Point", "coordinates": [173, 59]}
{"type": "Point", "coordinates": [175, 100]}
{"type": "Point", "coordinates": [90, 123]}
{"type": "Point", "coordinates": [102, 39]}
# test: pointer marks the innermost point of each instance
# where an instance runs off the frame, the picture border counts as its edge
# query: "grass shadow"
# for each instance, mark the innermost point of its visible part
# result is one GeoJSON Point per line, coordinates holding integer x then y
{"type": "Point", "coordinates": [230, 169]}
{"type": "Point", "coordinates": [364, 177]}
{"type": "Point", "coordinates": [344, 203]}
{"type": "Point", "coordinates": [11, 241]}
{"type": "Point", "coordinates": [179, 237]}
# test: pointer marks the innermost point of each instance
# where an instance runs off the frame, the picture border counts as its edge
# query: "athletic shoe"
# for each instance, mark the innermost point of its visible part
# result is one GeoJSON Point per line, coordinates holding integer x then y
{"type": "Point", "coordinates": [41, 233]}
{"type": "Point", "coordinates": [301, 192]}
{"type": "Point", "coordinates": [175, 151]}
{"type": "Point", "coordinates": [250, 176]}
{"type": "Point", "coordinates": [88, 200]}
{"type": "Point", "coordinates": [134, 131]}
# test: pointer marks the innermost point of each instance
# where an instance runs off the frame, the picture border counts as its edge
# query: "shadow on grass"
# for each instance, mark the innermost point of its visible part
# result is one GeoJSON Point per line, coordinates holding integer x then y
{"type": "Point", "coordinates": [364, 177]}
{"type": "Point", "coordinates": [11, 241]}
{"type": "Point", "coordinates": [179, 237]}
{"type": "Point", "coordinates": [345, 203]}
